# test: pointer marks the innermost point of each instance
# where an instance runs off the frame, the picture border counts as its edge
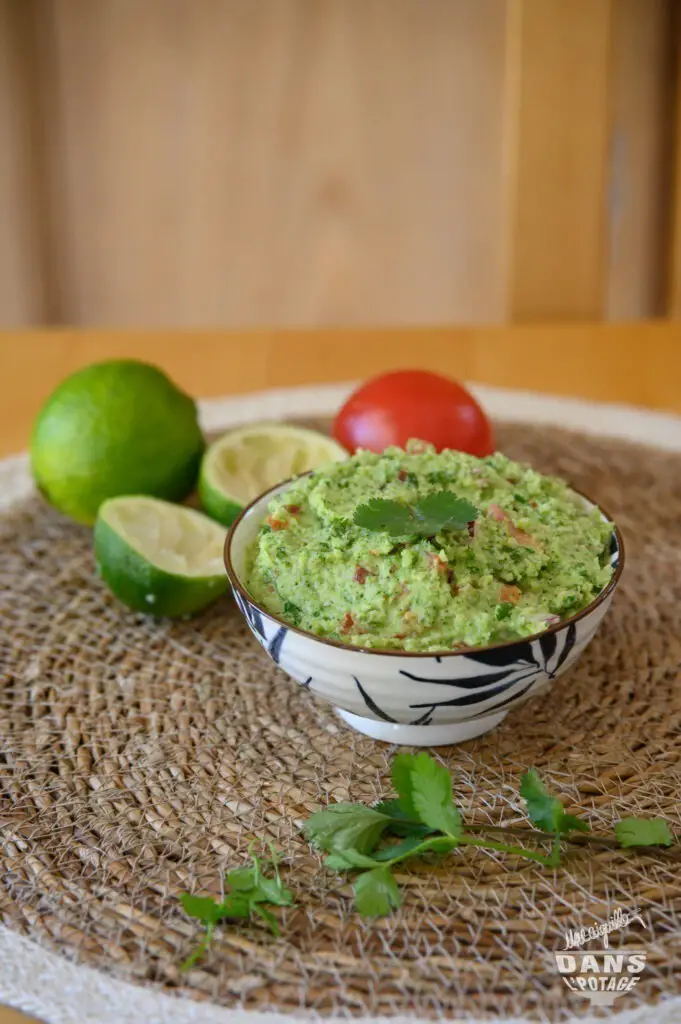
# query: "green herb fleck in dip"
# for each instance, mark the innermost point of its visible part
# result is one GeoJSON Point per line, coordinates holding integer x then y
{"type": "Point", "coordinates": [424, 551]}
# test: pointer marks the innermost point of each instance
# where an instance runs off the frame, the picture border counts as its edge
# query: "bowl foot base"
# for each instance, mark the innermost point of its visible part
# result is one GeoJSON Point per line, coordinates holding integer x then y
{"type": "Point", "coordinates": [421, 735]}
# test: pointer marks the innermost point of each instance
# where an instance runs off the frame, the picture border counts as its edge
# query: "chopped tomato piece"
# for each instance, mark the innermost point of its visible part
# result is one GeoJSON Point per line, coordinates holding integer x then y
{"type": "Point", "coordinates": [361, 574]}
{"type": "Point", "coordinates": [497, 513]}
{"type": "Point", "coordinates": [436, 563]}
{"type": "Point", "coordinates": [295, 510]}
{"type": "Point", "coordinates": [402, 475]}
{"type": "Point", "coordinates": [400, 636]}
{"type": "Point", "coordinates": [509, 593]}
{"type": "Point", "coordinates": [276, 524]}
{"type": "Point", "coordinates": [522, 537]}
{"type": "Point", "coordinates": [347, 623]}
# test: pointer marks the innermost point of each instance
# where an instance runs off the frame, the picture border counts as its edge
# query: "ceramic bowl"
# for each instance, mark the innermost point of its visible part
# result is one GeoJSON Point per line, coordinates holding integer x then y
{"type": "Point", "coordinates": [414, 698]}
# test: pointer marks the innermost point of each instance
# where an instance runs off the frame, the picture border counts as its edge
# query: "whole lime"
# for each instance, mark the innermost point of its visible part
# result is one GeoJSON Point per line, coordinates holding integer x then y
{"type": "Point", "coordinates": [114, 428]}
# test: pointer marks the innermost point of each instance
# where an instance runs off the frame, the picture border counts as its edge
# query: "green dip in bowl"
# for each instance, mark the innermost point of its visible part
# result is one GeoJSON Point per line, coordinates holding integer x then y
{"type": "Point", "coordinates": [535, 554]}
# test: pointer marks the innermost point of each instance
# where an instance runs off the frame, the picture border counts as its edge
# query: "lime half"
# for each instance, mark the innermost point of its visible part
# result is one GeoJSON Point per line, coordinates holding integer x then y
{"type": "Point", "coordinates": [159, 558]}
{"type": "Point", "coordinates": [243, 463]}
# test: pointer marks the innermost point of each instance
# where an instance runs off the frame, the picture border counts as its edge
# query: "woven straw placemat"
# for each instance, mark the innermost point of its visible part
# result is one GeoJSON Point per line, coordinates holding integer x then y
{"type": "Point", "coordinates": [140, 758]}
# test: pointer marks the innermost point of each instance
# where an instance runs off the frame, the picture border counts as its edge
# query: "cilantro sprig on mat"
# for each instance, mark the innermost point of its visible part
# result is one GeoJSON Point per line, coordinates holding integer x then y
{"type": "Point", "coordinates": [546, 811]}
{"type": "Point", "coordinates": [428, 517]}
{"type": "Point", "coordinates": [642, 832]}
{"type": "Point", "coordinates": [424, 820]}
{"type": "Point", "coordinates": [247, 890]}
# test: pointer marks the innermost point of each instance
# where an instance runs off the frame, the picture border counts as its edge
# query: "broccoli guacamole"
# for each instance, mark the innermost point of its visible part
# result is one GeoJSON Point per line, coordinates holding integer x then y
{"type": "Point", "coordinates": [529, 553]}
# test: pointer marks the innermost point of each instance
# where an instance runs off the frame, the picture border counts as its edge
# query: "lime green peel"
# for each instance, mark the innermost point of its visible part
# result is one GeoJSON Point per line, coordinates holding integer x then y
{"type": "Point", "coordinates": [113, 428]}
{"type": "Point", "coordinates": [159, 558]}
{"type": "Point", "coordinates": [245, 462]}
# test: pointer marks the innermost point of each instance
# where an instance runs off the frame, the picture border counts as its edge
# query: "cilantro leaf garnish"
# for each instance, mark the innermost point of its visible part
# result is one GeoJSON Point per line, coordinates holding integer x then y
{"type": "Point", "coordinates": [255, 887]}
{"type": "Point", "coordinates": [401, 771]}
{"type": "Point", "coordinates": [346, 826]}
{"type": "Point", "coordinates": [205, 908]}
{"type": "Point", "coordinates": [401, 824]}
{"type": "Point", "coordinates": [376, 892]}
{"type": "Point", "coordinates": [411, 844]}
{"type": "Point", "coordinates": [425, 790]}
{"type": "Point", "coordinates": [643, 832]}
{"type": "Point", "coordinates": [443, 511]}
{"type": "Point", "coordinates": [387, 516]}
{"type": "Point", "coordinates": [246, 890]}
{"type": "Point", "coordinates": [546, 811]}
{"type": "Point", "coordinates": [428, 517]}
{"type": "Point", "coordinates": [348, 859]}
{"type": "Point", "coordinates": [393, 808]}
{"type": "Point", "coordinates": [423, 821]}
{"type": "Point", "coordinates": [433, 800]}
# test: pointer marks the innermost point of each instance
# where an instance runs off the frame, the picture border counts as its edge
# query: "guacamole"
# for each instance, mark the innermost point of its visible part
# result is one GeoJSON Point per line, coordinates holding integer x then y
{"type": "Point", "coordinates": [534, 555]}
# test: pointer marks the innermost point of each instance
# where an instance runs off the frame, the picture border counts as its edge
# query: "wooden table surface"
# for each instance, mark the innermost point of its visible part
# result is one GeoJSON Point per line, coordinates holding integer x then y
{"type": "Point", "coordinates": [8, 1016]}
{"type": "Point", "coordinates": [631, 363]}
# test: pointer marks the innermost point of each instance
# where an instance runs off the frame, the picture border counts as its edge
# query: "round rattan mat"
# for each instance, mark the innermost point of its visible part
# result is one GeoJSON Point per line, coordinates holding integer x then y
{"type": "Point", "coordinates": [140, 758]}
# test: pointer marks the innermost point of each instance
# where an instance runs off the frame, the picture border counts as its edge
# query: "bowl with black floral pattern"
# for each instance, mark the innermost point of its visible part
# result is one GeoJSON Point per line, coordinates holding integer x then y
{"type": "Point", "coordinates": [414, 698]}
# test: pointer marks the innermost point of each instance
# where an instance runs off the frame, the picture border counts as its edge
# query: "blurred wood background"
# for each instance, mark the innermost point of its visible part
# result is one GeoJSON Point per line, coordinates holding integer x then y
{"type": "Point", "coordinates": [234, 163]}
{"type": "Point", "coordinates": [636, 363]}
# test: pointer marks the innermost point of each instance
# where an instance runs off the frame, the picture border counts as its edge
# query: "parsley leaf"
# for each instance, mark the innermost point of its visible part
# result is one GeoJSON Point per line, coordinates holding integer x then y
{"type": "Point", "coordinates": [346, 826]}
{"type": "Point", "coordinates": [376, 892]}
{"type": "Point", "coordinates": [546, 811]}
{"type": "Point", "coordinates": [431, 515]}
{"type": "Point", "coordinates": [643, 832]}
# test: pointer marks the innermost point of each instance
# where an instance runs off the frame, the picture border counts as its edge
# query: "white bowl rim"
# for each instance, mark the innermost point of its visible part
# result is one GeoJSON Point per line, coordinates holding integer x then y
{"type": "Point", "coordinates": [445, 652]}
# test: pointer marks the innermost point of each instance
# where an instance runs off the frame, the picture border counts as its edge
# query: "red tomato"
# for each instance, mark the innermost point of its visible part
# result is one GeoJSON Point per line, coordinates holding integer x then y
{"type": "Point", "coordinates": [390, 409]}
